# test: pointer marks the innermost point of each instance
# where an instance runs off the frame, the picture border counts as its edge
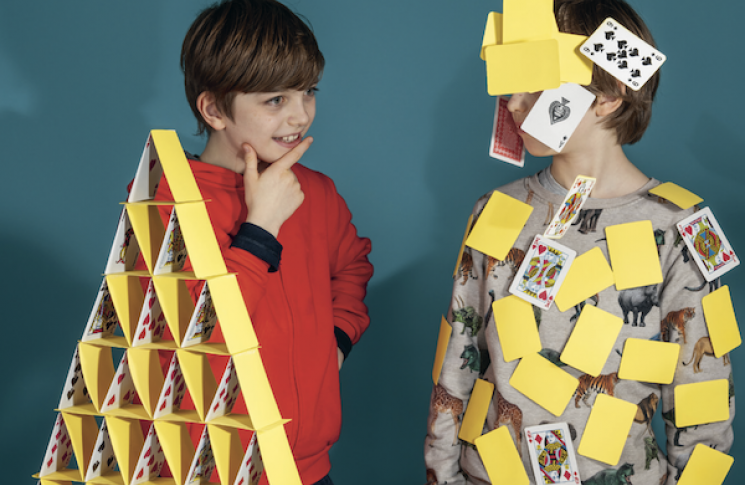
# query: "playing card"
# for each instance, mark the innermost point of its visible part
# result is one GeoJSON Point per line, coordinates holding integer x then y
{"type": "Point", "coordinates": [152, 322]}
{"type": "Point", "coordinates": [149, 172]}
{"type": "Point", "coordinates": [103, 318]}
{"type": "Point", "coordinates": [59, 449]}
{"type": "Point", "coordinates": [571, 206]}
{"type": "Point", "coordinates": [122, 389]}
{"type": "Point", "coordinates": [203, 463]}
{"type": "Point", "coordinates": [226, 395]}
{"type": "Point", "coordinates": [624, 55]}
{"type": "Point", "coordinates": [172, 256]}
{"type": "Point", "coordinates": [103, 459]}
{"type": "Point", "coordinates": [552, 454]}
{"type": "Point", "coordinates": [203, 320]}
{"type": "Point", "coordinates": [506, 144]}
{"type": "Point", "coordinates": [74, 392]}
{"type": "Point", "coordinates": [151, 459]}
{"type": "Point", "coordinates": [173, 390]}
{"type": "Point", "coordinates": [557, 113]}
{"type": "Point", "coordinates": [542, 272]}
{"type": "Point", "coordinates": [252, 466]}
{"type": "Point", "coordinates": [707, 244]}
{"type": "Point", "coordinates": [124, 250]}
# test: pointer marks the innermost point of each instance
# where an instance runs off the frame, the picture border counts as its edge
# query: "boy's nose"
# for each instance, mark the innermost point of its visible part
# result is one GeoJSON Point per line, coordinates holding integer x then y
{"type": "Point", "coordinates": [299, 115]}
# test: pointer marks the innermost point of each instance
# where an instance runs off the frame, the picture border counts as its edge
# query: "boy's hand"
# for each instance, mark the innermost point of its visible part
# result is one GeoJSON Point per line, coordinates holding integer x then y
{"type": "Point", "coordinates": [340, 357]}
{"type": "Point", "coordinates": [273, 194]}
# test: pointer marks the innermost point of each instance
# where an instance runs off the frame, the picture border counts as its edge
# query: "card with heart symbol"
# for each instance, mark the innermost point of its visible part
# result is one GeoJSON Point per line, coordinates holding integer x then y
{"type": "Point", "coordinates": [542, 272]}
{"type": "Point", "coordinates": [707, 244]}
{"type": "Point", "coordinates": [556, 114]}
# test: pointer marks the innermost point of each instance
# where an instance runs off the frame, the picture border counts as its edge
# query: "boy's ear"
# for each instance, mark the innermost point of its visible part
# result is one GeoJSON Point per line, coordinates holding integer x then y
{"type": "Point", "coordinates": [207, 106]}
{"type": "Point", "coordinates": [606, 105]}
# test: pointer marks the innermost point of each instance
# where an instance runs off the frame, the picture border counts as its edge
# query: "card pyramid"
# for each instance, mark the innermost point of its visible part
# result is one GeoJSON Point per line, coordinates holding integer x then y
{"type": "Point", "coordinates": [124, 424]}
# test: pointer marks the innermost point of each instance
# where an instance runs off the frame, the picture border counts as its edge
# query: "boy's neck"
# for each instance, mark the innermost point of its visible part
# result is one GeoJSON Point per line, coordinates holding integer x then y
{"type": "Point", "coordinates": [216, 153]}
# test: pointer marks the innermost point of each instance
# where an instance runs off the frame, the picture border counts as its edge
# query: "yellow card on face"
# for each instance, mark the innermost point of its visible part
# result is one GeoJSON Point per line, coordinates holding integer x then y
{"type": "Point", "coordinates": [524, 67]}
{"type": "Point", "coordinates": [575, 67]}
{"type": "Point", "coordinates": [478, 406]}
{"type": "Point", "coordinates": [442, 345]}
{"type": "Point", "coordinates": [633, 254]}
{"type": "Point", "coordinates": [499, 225]}
{"type": "Point", "coordinates": [588, 275]}
{"type": "Point", "coordinates": [721, 322]}
{"type": "Point", "coordinates": [649, 361]}
{"type": "Point", "coordinates": [706, 466]}
{"type": "Point", "coordinates": [701, 403]}
{"type": "Point", "coordinates": [607, 429]}
{"type": "Point", "coordinates": [500, 457]}
{"type": "Point", "coordinates": [526, 20]}
{"type": "Point", "coordinates": [518, 332]}
{"type": "Point", "coordinates": [592, 340]}
{"type": "Point", "coordinates": [677, 195]}
{"type": "Point", "coordinates": [543, 382]}
{"type": "Point", "coordinates": [463, 245]}
{"type": "Point", "coordinates": [492, 32]}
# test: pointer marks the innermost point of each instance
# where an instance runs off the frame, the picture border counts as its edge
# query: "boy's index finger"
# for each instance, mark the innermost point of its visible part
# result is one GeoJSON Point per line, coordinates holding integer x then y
{"type": "Point", "coordinates": [294, 155]}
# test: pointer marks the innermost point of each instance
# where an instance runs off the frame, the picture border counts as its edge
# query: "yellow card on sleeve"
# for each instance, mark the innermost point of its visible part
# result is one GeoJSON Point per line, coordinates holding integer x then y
{"type": "Point", "coordinates": [649, 361]}
{"type": "Point", "coordinates": [633, 254]}
{"type": "Point", "coordinates": [607, 429]}
{"type": "Point", "coordinates": [492, 32]}
{"type": "Point", "coordinates": [592, 340]}
{"type": "Point", "coordinates": [442, 345]}
{"type": "Point", "coordinates": [524, 67]}
{"type": "Point", "coordinates": [518, 332]}
{"type": "Point", "coordinates": [499, 225]}
{"type": "Point", "coordinates": [721, 322]}
{"type": "Point", "coordinates": [574, 67]}
{"type": "Point", "coordinates": [543, 382]}
{"type": "Point", "coordinates": [677, 195]}
{"type": "Point", "coordinates": [701, 403]}
{"type": "Point", "coordinates": [526, 20]}
{"type": "Point", "coordinates": [706, 466]}
{"type": "Point", "coordinates": [588, 275]}
{"type": "Point", "coordinates": [500, 457]}
{"type": "Point", "coordinates": [463, 245]}
{"type": "Point", "coordinates": [478, 406]}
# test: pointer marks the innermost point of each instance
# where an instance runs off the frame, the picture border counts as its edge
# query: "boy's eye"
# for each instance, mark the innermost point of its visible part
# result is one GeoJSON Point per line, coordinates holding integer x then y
{"type": "Point", "coordinates": [311, 91]}
{"type": "Point", "coordinates": [275, 101]}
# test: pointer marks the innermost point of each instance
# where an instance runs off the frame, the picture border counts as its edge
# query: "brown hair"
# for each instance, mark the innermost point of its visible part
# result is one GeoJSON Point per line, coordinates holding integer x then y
{"type": "Point", "coordinates": [583, 17]}
{"type": "Point", "coordinates": [245, 46]}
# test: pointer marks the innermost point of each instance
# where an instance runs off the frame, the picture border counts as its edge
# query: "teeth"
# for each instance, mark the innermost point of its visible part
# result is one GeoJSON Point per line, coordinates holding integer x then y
{"type": "Point", "coordinates": [288, 139]}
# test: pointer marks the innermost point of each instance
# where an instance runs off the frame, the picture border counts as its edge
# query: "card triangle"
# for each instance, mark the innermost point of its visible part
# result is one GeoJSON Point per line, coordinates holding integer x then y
{"type": "Point", "coordinates": [125, 248]}
{"type": "Point", "coordinates": [203, 463]}
{"type": "Point", "coordinates": [151, 460]}
{"type": "Point", "coordinates": [103, 459]}
{"type": "Point", "coordinates": [151, 324]}
{"type": "Point", "coordinates": [74, 393]}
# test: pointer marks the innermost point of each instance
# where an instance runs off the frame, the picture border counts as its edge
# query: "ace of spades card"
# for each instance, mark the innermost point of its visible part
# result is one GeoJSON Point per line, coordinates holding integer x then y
{"type": "Point", "coordinates": [621, 53]}
{"type": "Point", "coordinates": [103, 459]}
{"type": "Point", "coordinates": [573, 202]}
{"type": "Point", "coordinates": [707, 244]}
{"type": "Point", "coordinates": [542, 272]}
{"type": "Point", "coordinates": [151, 459]}
{"type": "Point", "coordinates": [226, 394]}
{"type": "Point", "coordinates": [252, 465]}
{"type": "Point", "coordinates": [174, 389]}
{"type": "Point", "coordinates": [552, 454]}
{"type": "Point", "coordinates": [506, 144]}
{"type": "Point", "coordinates": [557, 113]}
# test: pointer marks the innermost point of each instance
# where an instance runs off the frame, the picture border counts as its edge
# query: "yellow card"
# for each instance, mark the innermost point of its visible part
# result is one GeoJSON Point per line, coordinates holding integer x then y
{"type": "Point", "coordinates": [235, 322]}
{"type": "Point", "coordinates": [83, 432]}
{"type": "Point", "coordinates": [98, 371]}
{"type": "Point", "coordinates": [279, 464]}
{"type": "Point", "coordinates": [463, 244]}
{"type": "Point", "coordinates": [524, 67]}
{"type": "Point", "coordinates": [128, 298]}
{"type": "Point", "coordinates": [176, 303]}
{"type": "Point", "coordinates": [500, 457]}
{"type": "Point", "coordinates": [607, 429]}
{"type": "Point", "coordinates": [442, 345]}
{"type": "Point", "coordinates": [588, 275]}
{"type": "Point", "coordinates": [200, 239]}
{"type": "Point", "coordinates": [492, 32]}
{"type": "Point", "coordinates": [721, 322]}
{"type": "Point", "coordinates": [199, 379]}
{"type": "Point", "coordinates": [592, 340]}
{"type": "Point", "coordinates": [177, 447]}
{"type": "Point", "coordinates": [149, 230]}
{"type": "Point", "coordinates": [526, 20]}
{"type": "Point", "coordinates": [147, 376]}
{"type": "Point", "coordinates": [677, 195]}
{"type": "Point", "coordinates": [228, 451]}
{"type": "Point", "coordinates": [176, 167]}
{"type": "Point", "coordinates": [706, 466]}
{"type": "Point", "coordinates": [649, 361]}
{"type": "Point", "coordinates": [574, 67]}
{"type": "Point", "coordinates": [256, 390]}
{"type": "Point", "coordinates": [473, 420]}
{"type": "Point", "coordinates": [701, 403]}
{"type": "Point", "coordinates": [633, 254]}
{"type": "Point", "coordinates": [499, 225]}
{"type": "Point", "coordinates": [127, 442]}
{"type": "Point", "coordinates": [518, 332]}
{"type": "Point", "coordinates": [543, 382]}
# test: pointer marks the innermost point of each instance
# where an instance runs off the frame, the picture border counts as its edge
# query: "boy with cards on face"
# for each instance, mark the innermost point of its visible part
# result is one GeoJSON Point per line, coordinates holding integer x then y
{"type": "Point", "coordinates": [583, 128]}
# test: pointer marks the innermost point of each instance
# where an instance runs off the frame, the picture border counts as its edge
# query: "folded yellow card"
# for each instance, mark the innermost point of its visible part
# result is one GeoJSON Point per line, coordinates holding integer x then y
{"type": "Point", "coordinates": [492, 32]}
{"type": "Point", "coordinates": [442, 345]}
{"type": "Point", "coordinates": [516, 327]}
{"type": "Point", "coordinates": [235, 321]}
{"type": "Point", "coordinates": [524, 67]}
{"type": "Point", "coordinates": [544, 383]}
{"type": "Point", "coordinates": [706, 466]}
{"type": "Point", "coordinates": [607, 429]}
{"type": "Point", "coordinates": [473, 420]}
{"type": "Point", "coordinates": [633, 254]}
{"type": "Point", "coordinates": [589, 274]}
{"type": "Point", "coordinates": [180, 177]}
{"type": "Point", "coordinates": [127, 442]}
{"type": "Point", "coordinates": [177, 447]}
{"type": "Point", "coordinates": [501, 221]}
{"type": "Point", "coordinates": [592, 340]}
{"type": "Point", "coordinates": [277, 456]}
{"type": "Point", "coordinates": [228, 451]}
{"type": "Point", "coordinates": [649, 361]}
{"type": "Point", "coordinates": [575, 67]}
{"type": "Point", "coordinates": [677, 195]}
{"type": "Point", "coordinates": [701, 403]}
{"type": "Point", "coordinates": [463, 244]}
{"type": "Point", "coordinates": [724, 333]}
{"type": "Point", "coordinates": [201, 242]}
{"type": "Point", "coordinates": [500, 457]}
{"type": "Point", "coordinates": [526, 20]}
{"type": "Point", "coordinates": [256, 389]}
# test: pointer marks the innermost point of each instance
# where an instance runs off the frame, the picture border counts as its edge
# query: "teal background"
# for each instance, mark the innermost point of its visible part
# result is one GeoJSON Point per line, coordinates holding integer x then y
{"type": "Point", "coordinates": [402, 127]}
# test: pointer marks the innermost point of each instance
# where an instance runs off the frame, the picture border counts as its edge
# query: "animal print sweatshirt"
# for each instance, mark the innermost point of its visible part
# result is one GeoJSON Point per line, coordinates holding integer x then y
{"type": "Point", "coordinates": [670, 311]}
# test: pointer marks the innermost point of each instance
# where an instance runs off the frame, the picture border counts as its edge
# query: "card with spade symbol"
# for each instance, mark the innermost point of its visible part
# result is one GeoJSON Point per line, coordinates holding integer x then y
{"type": "Point", "coordinates": [624, 55]}
{"type": "Point", "coordinates": [542, 272]}
{"type": "Point", "coordinates": [556, 114]}
{"type": "Point", "coordinates": [707, 244]}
